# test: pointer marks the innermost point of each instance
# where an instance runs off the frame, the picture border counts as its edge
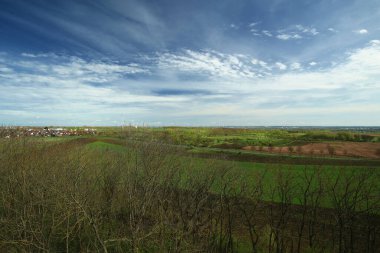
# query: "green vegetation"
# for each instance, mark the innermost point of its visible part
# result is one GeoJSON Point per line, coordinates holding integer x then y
{"type": "Point", "coordinates": [209, 137]}
{"type": "Point", "coordinates": [160, 190]}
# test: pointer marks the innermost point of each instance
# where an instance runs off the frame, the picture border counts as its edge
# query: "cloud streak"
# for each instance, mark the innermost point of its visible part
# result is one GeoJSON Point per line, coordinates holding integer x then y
{"type": "Point", "coordinates": [296, 32]}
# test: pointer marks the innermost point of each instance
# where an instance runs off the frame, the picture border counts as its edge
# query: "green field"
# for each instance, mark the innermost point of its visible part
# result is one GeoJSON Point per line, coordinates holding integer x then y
{"type": "Point", "coordinates": [219, 136]}
{"type": "Point", "coordinates": [247, 172]}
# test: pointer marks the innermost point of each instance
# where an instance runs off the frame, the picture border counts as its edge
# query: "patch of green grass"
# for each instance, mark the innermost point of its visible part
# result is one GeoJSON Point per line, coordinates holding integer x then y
{"type": "Point", "coordinates": [100, 145]}
{"type": "Point", "coordinates": [56, 139]}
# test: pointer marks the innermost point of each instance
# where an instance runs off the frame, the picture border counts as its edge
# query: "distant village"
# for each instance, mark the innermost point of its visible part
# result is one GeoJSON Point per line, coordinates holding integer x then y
{"type": "Point", "coordinates": [12, 132]}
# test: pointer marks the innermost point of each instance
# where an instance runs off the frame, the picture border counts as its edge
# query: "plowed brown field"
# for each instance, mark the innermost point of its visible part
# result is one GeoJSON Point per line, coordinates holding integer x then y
{"type": "Point", "coordinates": [350, 149]}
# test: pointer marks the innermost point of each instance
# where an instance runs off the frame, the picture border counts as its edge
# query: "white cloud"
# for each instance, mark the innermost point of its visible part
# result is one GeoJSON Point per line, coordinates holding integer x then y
{"type": "Point", "coordinates": [361, 31]}
{"type": "Point", "coordinates": [264, 65]}
{"type": "Point", "coordinates": [254, 61]}
{"type": "Point", "coordinates": [29, 55]}
{"type": "Point", "coordinates": [233, 26]}
{"type": "Point", "coordinates": [255, 32]}
{"type": "Point", "coordinates": [210, 63]}
{"type": "Point", "coordinates": [295, 66]}
{"type": "Point", "coordinates": [332, 29]}
{"type": "Point", "coordinates": [281, 66]}
{"type": "Point", "coordinates": [267, 33]}
{"type": "Point", "coordinates": [283, 36]}
{"type": "Point", "coordinates": [307, 30]}
{"type": "Point", "coordinates": [296, 32]}
{"type": "Point", "coordinates": [43, 55]}
{"type": "Point", "coordinates": [296, 36]}
{"type": "Point", "coordinates": [288, 36]}
{"type": "Point", "coordinates": [79, 67]}
{"type": "Point", "coordinates": [253, 24]}
{"type": "Point", "coordinates": [64, 92]}
{"type": "Point", "coordinates": [313, 63]}
{"type": "Point", "coordinates": [313, 31]}
{"type": "Point", "coordinates": [68, 69]}
{"type": "Point", "coordinates": [358, 71]}
{"type": "Point", "coordinates": [291, 33]}
{"type": "Point", "coordinates": [351, 86]}
{"type": "Point", "coordinates": [5, 69]}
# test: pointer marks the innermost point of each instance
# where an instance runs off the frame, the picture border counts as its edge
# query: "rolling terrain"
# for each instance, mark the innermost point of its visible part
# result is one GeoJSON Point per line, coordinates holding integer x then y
{"type": "Point", "coordinates": [191, 189]}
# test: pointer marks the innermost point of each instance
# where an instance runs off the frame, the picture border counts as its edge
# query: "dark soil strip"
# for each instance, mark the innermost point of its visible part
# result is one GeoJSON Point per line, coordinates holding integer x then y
{"type": "Point", "coordinates": [244, 157]}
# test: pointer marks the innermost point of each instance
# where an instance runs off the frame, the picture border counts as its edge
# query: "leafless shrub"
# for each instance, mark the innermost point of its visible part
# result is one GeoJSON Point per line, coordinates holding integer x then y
{"type": "Point", "coordinates": [248, 202]}
{"type": "Point", "coordinates": [330, 150]}
{"type": "Point", "coordinates": [281, 192]}
{"type": "Point", "coordinates": [350, 193]}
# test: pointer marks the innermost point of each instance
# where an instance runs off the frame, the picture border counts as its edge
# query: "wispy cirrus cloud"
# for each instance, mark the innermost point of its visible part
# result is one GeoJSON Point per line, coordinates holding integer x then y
{"type": "Point", "coordinates": [283, 36]}
{"type": "Point", "coordinates": [71, 90]}
{"type": "Point", "coordinates": [197, 62]}
{"type": "Point", "coordinates": [267, 33]}
{"type": "Point", "coordinates": [123, 26]}
{"type": "Point", "coordinates": [351, 86]}
{"type": "Point", "coordinates": [210, 63]}
{"type": "Point", "coordinates": [74, 68]}
{"type": "Point", "coordinates": [293, 32]}
{"type": "Point", "coordinates": [332, 29]}
{"type": "Point", "coordinates": [296, 32]}
{"type": "Point", "coordinates": [307, 30]}
{"type": "Point", "coordinates": [64, 88]}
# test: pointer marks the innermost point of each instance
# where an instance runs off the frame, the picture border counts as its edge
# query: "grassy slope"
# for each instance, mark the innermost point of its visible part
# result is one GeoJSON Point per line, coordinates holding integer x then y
{"type": "Point", "coordinates": [248, 171]}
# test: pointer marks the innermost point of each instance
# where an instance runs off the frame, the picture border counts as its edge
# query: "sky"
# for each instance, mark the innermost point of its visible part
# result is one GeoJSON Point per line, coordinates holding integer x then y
{"type": "Point", "coordinates": [190, 63]}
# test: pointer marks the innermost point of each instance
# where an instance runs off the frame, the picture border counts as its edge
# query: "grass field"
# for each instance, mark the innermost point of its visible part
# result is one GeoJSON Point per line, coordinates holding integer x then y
{"type": "Point", "coordinates": [248, 171]}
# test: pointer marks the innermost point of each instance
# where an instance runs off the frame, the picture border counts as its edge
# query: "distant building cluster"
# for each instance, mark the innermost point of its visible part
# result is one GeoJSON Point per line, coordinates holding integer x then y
{"type": "Point", "coordinates": [12, 132]}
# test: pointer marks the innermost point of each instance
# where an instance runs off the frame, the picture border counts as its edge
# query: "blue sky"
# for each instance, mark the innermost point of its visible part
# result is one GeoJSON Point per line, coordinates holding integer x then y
{"type": "Point", "coordinates": [215, 62]}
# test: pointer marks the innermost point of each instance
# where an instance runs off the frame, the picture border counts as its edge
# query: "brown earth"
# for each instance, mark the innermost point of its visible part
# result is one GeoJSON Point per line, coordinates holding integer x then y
{"type": "Point", "coordinates": [350, 149]}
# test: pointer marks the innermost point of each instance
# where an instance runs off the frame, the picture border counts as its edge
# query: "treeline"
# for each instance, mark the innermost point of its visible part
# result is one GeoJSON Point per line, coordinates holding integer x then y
{"type": "Point", "coordinates": [63, 198]}
{"type": "Point", "coordinates": [238, 138]}
{"type": "Point", "coordinates": [340, 136]}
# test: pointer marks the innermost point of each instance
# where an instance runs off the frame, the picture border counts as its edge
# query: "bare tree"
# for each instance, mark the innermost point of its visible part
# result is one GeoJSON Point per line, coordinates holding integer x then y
{"type": "Point", "coordinates": [248, 201]}
{"type": "Point", "coordinates": [282, 193]}
{"type": "Point", "coordinates": [330, 150]}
